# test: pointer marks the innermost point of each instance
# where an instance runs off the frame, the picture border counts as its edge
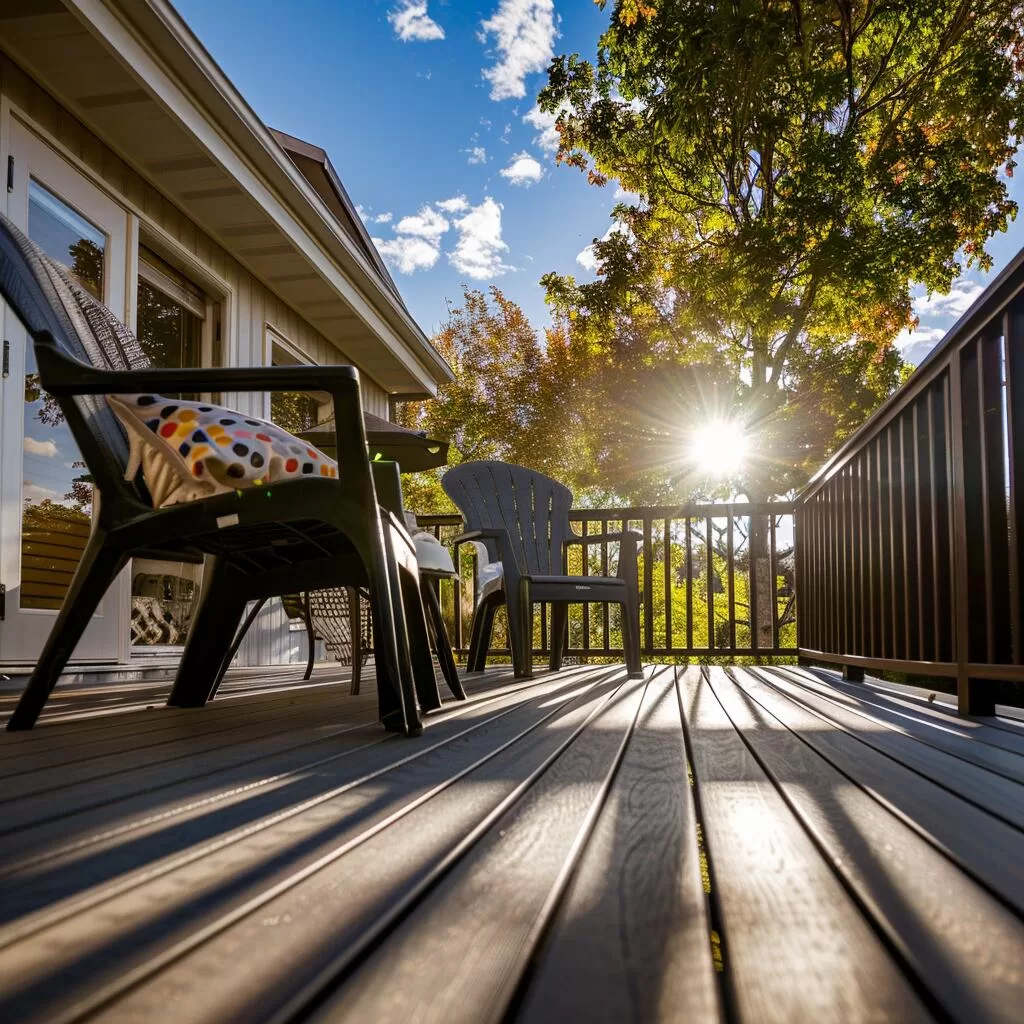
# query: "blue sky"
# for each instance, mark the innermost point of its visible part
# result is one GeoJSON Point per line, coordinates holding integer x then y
{"type": "Point", "coordinates": [427, 110]}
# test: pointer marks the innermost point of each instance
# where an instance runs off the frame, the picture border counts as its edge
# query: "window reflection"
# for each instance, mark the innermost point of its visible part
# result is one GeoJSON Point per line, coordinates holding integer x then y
{"type": "Point", "coordinates": [169, 326]}
{"type": "Point", "coordinates": [56, 489]}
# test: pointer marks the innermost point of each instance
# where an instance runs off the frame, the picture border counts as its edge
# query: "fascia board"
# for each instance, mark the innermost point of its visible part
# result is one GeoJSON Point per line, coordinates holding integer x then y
{"type": "Point", "coordinates": [256, 161]}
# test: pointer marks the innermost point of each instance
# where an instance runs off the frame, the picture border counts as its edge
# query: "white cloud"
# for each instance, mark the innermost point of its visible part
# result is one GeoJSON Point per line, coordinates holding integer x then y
{"type": "Point", "coordinates": [523, 169]}
{"type": "Point", "coordinates": [428, 224]}
{"type": "Point", "coordinates": [524, 35]}
{"type": "Point", "coordinates": [34, 494]}
{"type": "Point", "coordinates": [956, 303]}
{"type": "Point", "coordinates": [457, 204]}
{"type": "Point", "coordinates": [47, 449]}
{"type": "Point", "coordinates": [547, 134]}
{"type": "Point", "coordinates": [412, 23]}
{"type": "Point", "coordinates": [480, 246]}
{"type": "Point", "coordinates": [587, 258]}
{"type": "Point", "coordinates": [408, 253]}
{"type": "Point", "coordinates": [921, 336]}
{"type": "Point", "coordinates": [477, 155]}
{"type": "Point", "coordinates": [382, 218]}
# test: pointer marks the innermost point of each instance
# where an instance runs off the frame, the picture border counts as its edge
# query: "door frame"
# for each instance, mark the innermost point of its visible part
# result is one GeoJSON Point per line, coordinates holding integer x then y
{"type": "Point", "coordinates": [25, 630]}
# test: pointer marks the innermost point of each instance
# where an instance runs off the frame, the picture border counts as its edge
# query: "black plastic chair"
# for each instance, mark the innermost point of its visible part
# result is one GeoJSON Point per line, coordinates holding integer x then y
{"type": "Point", "coordinates": [259, 543]}
{"type": "Point", "coordinates": [522, 520]}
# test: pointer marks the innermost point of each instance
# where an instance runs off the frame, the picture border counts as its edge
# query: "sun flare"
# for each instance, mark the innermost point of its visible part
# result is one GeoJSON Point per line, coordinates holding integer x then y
{"type": "Point", "coordinates": [720, 448]}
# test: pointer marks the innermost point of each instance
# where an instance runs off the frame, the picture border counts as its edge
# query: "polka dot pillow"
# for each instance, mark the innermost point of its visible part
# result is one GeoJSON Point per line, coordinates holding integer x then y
{"type": "Point", "coordinates": [190, 450]}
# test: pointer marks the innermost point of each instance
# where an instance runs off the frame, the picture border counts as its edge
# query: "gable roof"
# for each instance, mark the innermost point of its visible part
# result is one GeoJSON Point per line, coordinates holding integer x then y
{"type": "Point", "coordinates": [316, 167]}
{"type": "Point", "coordinates": [156, 97]}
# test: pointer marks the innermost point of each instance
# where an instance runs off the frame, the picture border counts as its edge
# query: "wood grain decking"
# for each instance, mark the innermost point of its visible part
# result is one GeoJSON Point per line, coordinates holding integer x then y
{"type": "Point", "coordinates": [750, 844]}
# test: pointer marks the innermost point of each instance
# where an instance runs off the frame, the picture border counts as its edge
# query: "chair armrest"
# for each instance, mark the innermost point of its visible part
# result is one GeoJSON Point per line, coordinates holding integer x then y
{"type": "Point", "coordinates": [505, 550]}
{"type": "Point", "coordinates": [629, 542]}
{"type": "Point", "coordinates": [63, 376]}
{"type": "Point", "coordinates": [471, 535]}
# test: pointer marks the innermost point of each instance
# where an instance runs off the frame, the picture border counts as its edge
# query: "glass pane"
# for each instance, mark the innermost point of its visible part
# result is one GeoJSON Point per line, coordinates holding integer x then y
{"type": "Point", "coordinates": [164, 593]}
{"type": "Point", "coordinates": [294, 411]}
{"type": "Point", "coordinates": [169, 334]}
{"type": "Point", "coordinates": [57, 492]}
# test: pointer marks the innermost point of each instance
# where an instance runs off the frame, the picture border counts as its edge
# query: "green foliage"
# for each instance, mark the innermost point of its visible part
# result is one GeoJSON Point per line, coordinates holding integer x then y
{"type": "Point", "coordinates": [513, 397]}
{"type": "Point", "coordinates": [798, 166]}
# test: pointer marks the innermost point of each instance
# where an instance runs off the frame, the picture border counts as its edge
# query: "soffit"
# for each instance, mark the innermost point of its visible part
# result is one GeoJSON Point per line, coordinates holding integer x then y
{"type": "Point", "coordinates": [211, 181]}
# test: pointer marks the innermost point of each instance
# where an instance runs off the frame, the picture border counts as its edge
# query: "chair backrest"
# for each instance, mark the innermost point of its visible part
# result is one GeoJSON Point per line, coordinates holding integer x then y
{"type": "Point", "coordinates": [531, 507]}
{"type": "Point", "coordinates": [46, 298]}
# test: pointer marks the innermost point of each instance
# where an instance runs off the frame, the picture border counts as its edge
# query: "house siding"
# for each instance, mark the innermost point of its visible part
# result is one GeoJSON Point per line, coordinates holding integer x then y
{"type": "Point", "coordinates": [250, 307]}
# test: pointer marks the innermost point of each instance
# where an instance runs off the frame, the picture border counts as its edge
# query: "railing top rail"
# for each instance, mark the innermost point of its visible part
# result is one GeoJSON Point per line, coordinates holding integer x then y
{"type": "Point", "coordinates": [721, 510]}
{"type": "Point", "coordinates": [1009, 283]}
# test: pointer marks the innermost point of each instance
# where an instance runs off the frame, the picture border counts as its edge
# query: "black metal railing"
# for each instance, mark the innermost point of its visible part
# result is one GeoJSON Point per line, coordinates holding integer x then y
{"type": "Point", "coordinates": [716, 581]}
{"type": "Point", "coordinates": [909, 541]}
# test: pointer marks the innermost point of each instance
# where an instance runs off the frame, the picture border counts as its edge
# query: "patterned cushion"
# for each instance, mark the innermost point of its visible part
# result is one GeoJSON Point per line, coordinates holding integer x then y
{"type": "Point", "coordinates": [190, 450]}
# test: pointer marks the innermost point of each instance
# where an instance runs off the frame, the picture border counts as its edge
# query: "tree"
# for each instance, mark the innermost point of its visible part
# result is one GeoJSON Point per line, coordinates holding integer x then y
{"type": "Point", "coordinates": [512, 399]}
{"type": "Point", "coordinates": [797, 166]}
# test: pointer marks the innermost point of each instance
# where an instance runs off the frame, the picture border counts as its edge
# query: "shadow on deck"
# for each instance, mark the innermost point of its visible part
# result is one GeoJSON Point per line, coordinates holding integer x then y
{"type": "Point", "coordinates": [765, 844]}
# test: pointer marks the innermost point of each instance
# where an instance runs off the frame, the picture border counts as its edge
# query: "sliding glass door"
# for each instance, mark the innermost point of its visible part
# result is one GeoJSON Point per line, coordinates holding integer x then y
{"type": "Point", "coordinates": [46, 495]}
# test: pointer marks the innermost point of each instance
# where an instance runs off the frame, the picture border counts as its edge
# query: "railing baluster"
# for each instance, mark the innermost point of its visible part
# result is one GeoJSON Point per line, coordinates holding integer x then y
{"type": "Point", "coordinates": [585, 548]}
{"type": "Point", "coordinates": [606, 640]}
{"type": "Point", "coordinates": [773, 581]}
{"type": "Point", "coordinates": [689, 586]}
{"type": "Point", "coordinates": [994, 496]}
{"type": "Point", "coordinates": [1013, 335]}
{"type": "Point", "coordinates": [731, 578]}
{"type": "Point", "coordinates": [648, 591]}
{"type": "Point", "coordinates": [710, 568]}
{"type": "Point", "coordinates": [668, 583]}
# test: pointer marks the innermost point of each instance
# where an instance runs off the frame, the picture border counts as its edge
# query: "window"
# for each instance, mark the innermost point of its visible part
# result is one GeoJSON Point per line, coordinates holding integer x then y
{"type": "Point", "coordinates": [295, 411]}
{"type": "Point", "coordinates": [57, 492]}
{"type": "Point", "coordinates": [171, 314]}
{"type": "Point", "coordinates": [173, 324]}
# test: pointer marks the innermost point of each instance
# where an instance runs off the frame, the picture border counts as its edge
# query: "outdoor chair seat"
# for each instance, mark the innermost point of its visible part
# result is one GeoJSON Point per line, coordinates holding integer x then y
{"type": "Point", "coordinates": [300, 535]}
{"type": "Point", "coordinates": [432, 555]}
{"type": "Point", "coordinates": [520, 519]}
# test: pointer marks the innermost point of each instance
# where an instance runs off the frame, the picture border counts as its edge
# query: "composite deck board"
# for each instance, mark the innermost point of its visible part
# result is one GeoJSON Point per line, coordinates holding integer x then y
{"type": "Point", "coordinates": [129, 930]}
{"type": "Point", "coordinates": [757, 844]}
{"type": "Point", "coordinates": [997, 795]}
{"type": "Point", "coordinates": [983, 846]}
{"type": "Point", "coordinates": [930, 729]}
{"type": "Point", "coordinates": [475, 932]}
{"type": "Point", "coordinates": [963, 945]}
{"type": "Point", "coordinates": [272, 959]}
{"type": "Point", "coordinates": [996, 731]}
{"type": "Point", "coordinates": [795, 944]}
{"type": "Point", "coordinates": [630, 941]}
{"type": "Point", "coordinates": [184, 832]}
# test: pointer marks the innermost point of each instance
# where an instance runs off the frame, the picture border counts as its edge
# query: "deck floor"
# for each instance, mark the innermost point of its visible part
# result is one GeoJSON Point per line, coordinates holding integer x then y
{"type": "Point", "coordinates": [744, 844]}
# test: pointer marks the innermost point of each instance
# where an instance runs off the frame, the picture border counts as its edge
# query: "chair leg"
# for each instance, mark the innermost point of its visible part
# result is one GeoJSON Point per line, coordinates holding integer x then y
{"type": "Point", "coordinates": [441, 643]}
{"type": "Point", "coordinates": [355, 627]}
{"type": "Point", "coordinates": [233, 650]}
{"type": "Point", "coordinates": [396, 696]}
{"type": "Point", "coordinates": [427, 693]}
{"type": "Point", "coordinates": [488, 609]}
{"type": "Point", "coordinates": [310, 636]}
{"type": "Point", "coordinates": [559, 624]}
{"type": "Point", "coordinates": [474, 637]}
{"type": "Point", "coordinates": [100, 564]}
{"type": "Point", "coordinates": [631, 637]}
{"type": "Point", "coordinates": [519, 609]}
{"type": "Point", "coordinates": [220, 610]}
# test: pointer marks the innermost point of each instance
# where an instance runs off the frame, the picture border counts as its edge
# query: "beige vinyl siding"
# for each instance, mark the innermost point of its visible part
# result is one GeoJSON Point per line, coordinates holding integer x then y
{"type": "Point", "coordinates": [253, 306]}
{"type": "Point", "coordinates": [249, 310]}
